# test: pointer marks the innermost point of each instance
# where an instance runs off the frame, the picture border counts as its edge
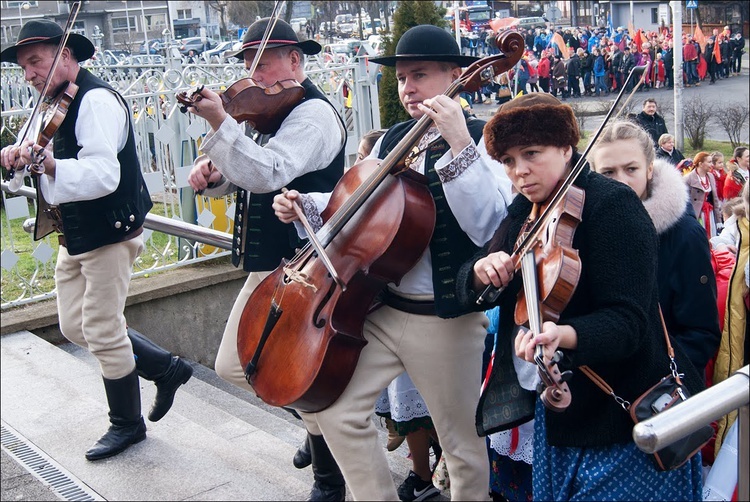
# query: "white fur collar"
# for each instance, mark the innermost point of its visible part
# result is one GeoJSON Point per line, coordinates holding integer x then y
{"type": "Point", "coordinates": [667, 196]}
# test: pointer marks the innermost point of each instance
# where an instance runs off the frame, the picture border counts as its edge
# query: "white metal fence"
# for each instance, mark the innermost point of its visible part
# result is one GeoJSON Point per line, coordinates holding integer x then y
{"type": "Point", "coordinates": [167, 143]}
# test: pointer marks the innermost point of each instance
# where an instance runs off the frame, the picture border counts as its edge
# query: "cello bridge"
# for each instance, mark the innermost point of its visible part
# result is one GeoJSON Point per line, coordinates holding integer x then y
{"type": "Point", "coordinates": [299, 277]}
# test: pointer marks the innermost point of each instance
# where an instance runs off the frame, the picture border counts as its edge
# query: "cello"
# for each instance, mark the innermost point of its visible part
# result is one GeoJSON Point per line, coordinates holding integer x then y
{"type": "Point", "coordinates": [300, 333]}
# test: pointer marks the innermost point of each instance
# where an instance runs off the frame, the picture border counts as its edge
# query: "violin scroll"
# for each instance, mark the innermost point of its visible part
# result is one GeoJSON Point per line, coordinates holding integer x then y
{"type": "Point", "coordinates": [189, 98]}
{"type": "Point", "coordinates": [553, 388]}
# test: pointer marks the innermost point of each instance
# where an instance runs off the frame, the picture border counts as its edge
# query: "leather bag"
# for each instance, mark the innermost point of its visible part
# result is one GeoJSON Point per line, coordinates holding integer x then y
{"type": "Point", "coordinates": [667, 393]}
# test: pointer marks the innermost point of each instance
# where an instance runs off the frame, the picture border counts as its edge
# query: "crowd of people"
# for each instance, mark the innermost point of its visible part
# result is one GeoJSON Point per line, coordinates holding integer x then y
{"type": "Point", "coordinates": [649, 226]}
{"type": "Point", "coordinates": [579, 62]}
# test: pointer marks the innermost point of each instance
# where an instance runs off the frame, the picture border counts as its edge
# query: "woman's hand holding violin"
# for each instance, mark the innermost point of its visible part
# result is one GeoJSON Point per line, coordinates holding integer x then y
{"type": "Point", "coordinates": [496, 269]}
{"type": "Point", "coordinates": [552, 337]}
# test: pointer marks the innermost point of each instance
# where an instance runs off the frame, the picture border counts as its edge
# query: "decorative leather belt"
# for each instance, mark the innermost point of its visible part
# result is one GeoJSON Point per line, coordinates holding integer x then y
{"type": "Point", "coordinates": [418, 307]}
{"type": "Point", "coordinates": [132, 235]}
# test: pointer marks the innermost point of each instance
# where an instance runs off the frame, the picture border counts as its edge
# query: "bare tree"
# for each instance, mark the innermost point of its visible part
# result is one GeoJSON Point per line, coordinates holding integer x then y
{"type": "Point", "coordinates": [244, 13]}
{"type": "Point", "coordinates": [732, 118]}
{"type": "Point", "coordinates": [696, 115]}
{"type": "Point", "coordinates": [220, 6]}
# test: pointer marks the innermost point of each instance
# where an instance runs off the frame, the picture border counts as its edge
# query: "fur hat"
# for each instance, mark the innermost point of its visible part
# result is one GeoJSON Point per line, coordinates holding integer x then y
{"type": "Point", "coordinates": [426, 43]}
{"type": "Point", "coordinates": [533, 119]}
{"type": "Point", "coordinates": [282, 35]}
{"type": "Point", "coordinates": [39, 31]}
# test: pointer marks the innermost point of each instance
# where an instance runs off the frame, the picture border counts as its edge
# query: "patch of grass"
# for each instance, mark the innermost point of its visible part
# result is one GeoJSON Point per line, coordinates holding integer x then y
{"type": "Point", "coordinates": [31, 277]}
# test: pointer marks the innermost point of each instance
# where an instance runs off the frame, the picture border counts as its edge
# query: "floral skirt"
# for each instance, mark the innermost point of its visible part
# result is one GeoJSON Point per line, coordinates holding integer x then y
{"type": "Point", "coordinates": [616, 472]}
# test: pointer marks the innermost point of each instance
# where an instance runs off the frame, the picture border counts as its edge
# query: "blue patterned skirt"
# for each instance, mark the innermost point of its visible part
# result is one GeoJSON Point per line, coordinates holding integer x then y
{"type": "Point", "coordinates": [616, 472]}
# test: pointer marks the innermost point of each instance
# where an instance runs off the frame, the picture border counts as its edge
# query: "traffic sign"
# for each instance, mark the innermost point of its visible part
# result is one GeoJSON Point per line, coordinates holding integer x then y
{"type": "Point", "coordinates": [691, 4]}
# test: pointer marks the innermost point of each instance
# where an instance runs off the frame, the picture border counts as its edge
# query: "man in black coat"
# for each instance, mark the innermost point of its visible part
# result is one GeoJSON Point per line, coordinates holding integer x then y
{"type": "Point", "coordinates": [651, 121]}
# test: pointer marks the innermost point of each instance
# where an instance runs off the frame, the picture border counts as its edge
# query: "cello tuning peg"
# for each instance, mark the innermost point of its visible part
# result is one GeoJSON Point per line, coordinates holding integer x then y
{"type": "Point", "coordinates": [183, 109]}
{"type": "Point", "coordinates": [566, 376]}
{"type": "Point", "coordinates": [557, 357]}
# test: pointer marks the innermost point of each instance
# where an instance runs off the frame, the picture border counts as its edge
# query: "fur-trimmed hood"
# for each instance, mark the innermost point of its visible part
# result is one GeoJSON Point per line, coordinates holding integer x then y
{"type": "Point", "coordinates": [667, 196]}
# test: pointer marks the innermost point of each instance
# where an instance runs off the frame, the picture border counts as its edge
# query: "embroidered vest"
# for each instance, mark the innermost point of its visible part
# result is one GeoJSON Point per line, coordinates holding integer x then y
{"type": "Point", "coordinates": [450, 247]}
{"type": "Point", "coordinates": [260, 239]}
{"type": "Point", "coordinates": [91, 224]}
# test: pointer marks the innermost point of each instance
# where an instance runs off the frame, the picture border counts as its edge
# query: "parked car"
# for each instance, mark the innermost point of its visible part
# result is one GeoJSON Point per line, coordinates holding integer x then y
{"type": "Point", "coordinates": [298, 23]}
{"type": "Point", "coordinates": [154, 45]}
{"type": "Point", "coordinates": [335, 53]}
{"type": "Point", "coordinates": [531, 23]}
{"type": "Point", "coordinates": [217, 53]}
{"type": "Point", "coordinates": [196, 44]}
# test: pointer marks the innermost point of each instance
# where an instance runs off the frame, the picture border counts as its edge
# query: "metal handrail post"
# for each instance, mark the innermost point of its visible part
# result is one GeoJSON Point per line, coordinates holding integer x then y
{"type": "Point", "coordinates": [154, 222]}
{"type": "Point", "coordinates": [675, 423]}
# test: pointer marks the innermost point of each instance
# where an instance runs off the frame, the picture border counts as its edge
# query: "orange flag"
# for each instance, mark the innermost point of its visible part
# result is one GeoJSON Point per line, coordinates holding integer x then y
{"type": "Point", "coordinates": [557, 40]}
{"type": "Point", "coordinates": [700, 38]}
{"type": "Point", "coordinates": [717, 50]}
{"type": "Point", "coordinates": [631, 29]}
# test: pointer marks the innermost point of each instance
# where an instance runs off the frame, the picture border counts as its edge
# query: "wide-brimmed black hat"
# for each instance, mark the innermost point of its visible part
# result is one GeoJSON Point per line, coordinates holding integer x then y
{"type": "Point", "coordinates": [281, 35]}
{"type": "Point", "coordinates": [39, 31]}
{"type": "Point", "coordinates": [426, 43]}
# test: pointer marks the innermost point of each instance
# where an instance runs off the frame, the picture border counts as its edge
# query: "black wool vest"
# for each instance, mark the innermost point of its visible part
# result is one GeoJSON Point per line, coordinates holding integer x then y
{"type": "Point", "coordinates": [91, 224]}
{"type": "Point", "coordinates": [450, 247]}
{"type": "Point", "coordinates": [266, 240]}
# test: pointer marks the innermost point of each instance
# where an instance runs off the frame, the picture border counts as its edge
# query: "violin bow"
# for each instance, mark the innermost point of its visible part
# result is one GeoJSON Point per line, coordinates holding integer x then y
{"type": "Point", "coordinates": [75, 7]}
{"type": "Point", "coordinates": [490, 293]}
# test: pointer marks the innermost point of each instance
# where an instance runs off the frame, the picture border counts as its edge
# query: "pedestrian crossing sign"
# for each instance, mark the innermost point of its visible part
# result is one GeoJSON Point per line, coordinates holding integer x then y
{"type": "Point", "coordinates": [691, 4]}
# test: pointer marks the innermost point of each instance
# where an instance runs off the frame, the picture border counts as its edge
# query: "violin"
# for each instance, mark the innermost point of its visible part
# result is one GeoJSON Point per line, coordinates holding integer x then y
{"type": "Point", "coordinates": [551, 268]}
{"type": "Point", "coordinates": [43, 129]}
{"type": "Point", "coordinates": [300, 332]}
{"type": "Point", "coordinates": [246, 100]}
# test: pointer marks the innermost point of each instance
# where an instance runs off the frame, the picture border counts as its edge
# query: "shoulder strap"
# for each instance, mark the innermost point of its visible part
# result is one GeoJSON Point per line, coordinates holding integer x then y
{"type": "Point", "coordinates": [602, 384]}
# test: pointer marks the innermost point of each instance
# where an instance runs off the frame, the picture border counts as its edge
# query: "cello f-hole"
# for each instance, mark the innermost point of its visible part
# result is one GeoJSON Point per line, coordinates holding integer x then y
{"type": "Point", "coordinates": [318, 321]}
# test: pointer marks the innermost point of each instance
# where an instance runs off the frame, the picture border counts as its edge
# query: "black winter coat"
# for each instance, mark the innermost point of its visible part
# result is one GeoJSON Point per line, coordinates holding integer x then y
{"type": "Point", "coordinates": [614, 311]}
{"type": "Point", "coordinates": [653, 124]}
{"type": "Point", "coordinates": [687, 285]}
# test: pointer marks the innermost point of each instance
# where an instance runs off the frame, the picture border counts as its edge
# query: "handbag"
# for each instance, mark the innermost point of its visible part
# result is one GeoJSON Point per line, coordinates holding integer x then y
{"type": "Point", "coordinates": [503, 91]}
{"type": "Point", "coordinates": [669, 392]}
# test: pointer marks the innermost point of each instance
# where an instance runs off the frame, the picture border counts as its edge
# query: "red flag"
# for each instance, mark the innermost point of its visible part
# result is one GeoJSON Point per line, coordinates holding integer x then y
{"type": "Point", "coordinates": [638, 39]}
{"type": "Point", "coordinates": [700, 38]}
{"type": "Point", "coordinates": [717, 50]}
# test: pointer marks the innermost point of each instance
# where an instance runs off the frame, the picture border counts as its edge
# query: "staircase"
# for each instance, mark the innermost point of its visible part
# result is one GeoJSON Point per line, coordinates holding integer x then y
{"type": "Point", "coordinates": [217, 442]}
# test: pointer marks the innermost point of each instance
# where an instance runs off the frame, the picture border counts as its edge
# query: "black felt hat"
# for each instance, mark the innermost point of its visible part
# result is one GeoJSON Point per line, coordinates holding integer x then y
{"type": "Point", "coordinates": [39, 31]}
{"type": "Point", "coordinates": [426, 43]}
{"type": "Point", "coordinates": [281, 35]}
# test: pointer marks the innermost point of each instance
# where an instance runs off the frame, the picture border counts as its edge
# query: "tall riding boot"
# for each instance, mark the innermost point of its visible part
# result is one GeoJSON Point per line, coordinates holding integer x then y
{"type": "Point", "coordinates": [303, 457]}
{"type": "Point", "coordinates": [329, 482]}
{"type": "Point", "coordinates": [127, 427]}
{"type": "Point", "coordinates": [168, 372]}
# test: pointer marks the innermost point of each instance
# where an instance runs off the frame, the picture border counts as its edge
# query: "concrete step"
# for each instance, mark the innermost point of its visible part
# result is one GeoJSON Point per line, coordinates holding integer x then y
{"type": "Point", "coordinates": [217, 442]}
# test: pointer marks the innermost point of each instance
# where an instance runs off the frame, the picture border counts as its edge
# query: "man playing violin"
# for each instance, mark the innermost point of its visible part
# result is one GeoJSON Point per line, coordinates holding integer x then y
{"type": "Point", "coordinates": [306, 154]}
{"type": "Point", "coordinates": [611, 323]}
{"type": "Point", "coordinates": [92, 178]}
{"type": "Point", "coordinates": [420, 328]}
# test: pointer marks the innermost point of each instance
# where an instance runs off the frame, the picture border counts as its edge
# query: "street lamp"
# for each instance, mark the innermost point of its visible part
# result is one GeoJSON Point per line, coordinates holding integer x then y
{"type": "Point", "coordinates": [24, 6]}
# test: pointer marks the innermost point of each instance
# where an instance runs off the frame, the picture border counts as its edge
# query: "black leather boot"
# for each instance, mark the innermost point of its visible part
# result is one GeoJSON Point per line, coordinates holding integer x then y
{"type": "Point", "coordinates": [303, 457]}
{"type": "Point", "coordinates": [127, 427]}
{"type": "Point", "coordinates": [168, 372]}
{"type": "Point", "coordinates": [329, 482]}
